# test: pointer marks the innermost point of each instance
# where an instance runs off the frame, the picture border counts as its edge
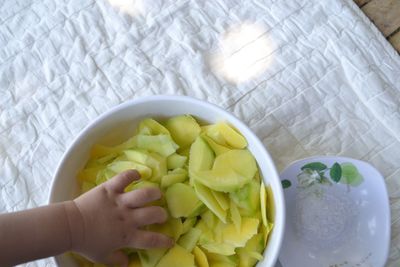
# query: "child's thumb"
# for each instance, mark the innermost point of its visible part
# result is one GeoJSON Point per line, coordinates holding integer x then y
{"type": "Point", "coordinates": [118, 258]}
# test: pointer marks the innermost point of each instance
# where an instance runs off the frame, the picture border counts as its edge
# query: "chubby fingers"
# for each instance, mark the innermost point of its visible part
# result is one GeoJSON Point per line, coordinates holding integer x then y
{"type": "Point", "coordinates": [139, 197]}
{"type": "Point", "coordinates": [148, 215]}
{"type": "Point", "coordinates": [146, 240]}
{"type": "Point", "coordinates": [122, 180]}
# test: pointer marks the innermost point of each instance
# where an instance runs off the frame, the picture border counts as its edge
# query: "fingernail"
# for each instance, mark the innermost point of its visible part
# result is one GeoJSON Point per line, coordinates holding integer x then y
{"type": "Point", "coordinates": [137, 173]}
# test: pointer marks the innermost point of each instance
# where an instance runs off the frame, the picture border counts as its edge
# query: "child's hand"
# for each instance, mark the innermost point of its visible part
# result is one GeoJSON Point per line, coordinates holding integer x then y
{"type": "Point", "coordinates": [106, 219]}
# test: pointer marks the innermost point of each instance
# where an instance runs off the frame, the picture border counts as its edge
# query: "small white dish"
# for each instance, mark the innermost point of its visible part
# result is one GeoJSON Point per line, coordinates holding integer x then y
{"type": "Point", "coordinates": [337, 214]}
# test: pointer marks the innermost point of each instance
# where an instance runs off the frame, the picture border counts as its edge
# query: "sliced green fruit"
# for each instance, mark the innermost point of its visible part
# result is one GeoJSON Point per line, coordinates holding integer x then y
{"type": "Point", "coordinates": [247, 198]}
{"type": "Point", "coordinates": [222, 199]}
{"type": "Point", "coordinates": [235, 216]}
{"type": "Point", "coordinates": [216, 258]}
{"type": "Point", "coordinates": [214, 133]}
{"type": "Point", "coordinates": [231, 236]}
{"type": "Point", "coordinates": [188, 224]}
{"type": "Point", "coordinates": [161, 144]}
{"type": "Point", "coordinates": [217, 148]}
{"type": "Point", "coordinates": [152, 127]}
{"type": "Point", "coordinates": [184, 151]}
{"type": "Point", "coordinates": [263, 202]}
{"type": "Point", "coordinates": [207, 235]}
{"type": "Point", "coordinates": [189, 240]}
{"type": "Point", "coordinates": [172, 228]}
{"type": "Point", "coordinates": [231, 171]}
{"type": "Point", "coordinates": [141, 184]}
{"type": "Point", "coordinates": [181, 200]}
{"type": "Point", "coordinates": [176, 161]}
{"type": "Point", "coordinates": [89, 174]}
{"type": "Point", "coordinates": [101, 150]}
{"type": "Point", "coordinates": [206, 196]}
{"type": "Point", "coordinates": [252, 251]}
{"type": "Point", "coordinates": [200, 257]}
{"type": "Point", "coordinates": [86, 186]}
{"type": "Point", "coordinates": [201, 157]}
{"type": "Point", "coordinates": [219, 248]}
{"type": "Point", "coordinates": [239, 160]}
{"type": "Point", "coordinates": [154, 161]}
{"type": "Point", "coordinates": [231, 136]}
{"type": "Point", "coordinates": [223, 180]}
{"type": "Point", "coordinates": [177, 256]}
{"type": "Point", "coordinates": [120, 166]}
{"type": "Point", "coordinates": [150, 257]}
{"type": "Point", "coordinates": [104, 175]}
{"type": "Point", "coordinates": [209, 219]}
{"type": "Point", "coordinates": [184, 129]}
{"type": "Point", "coordinates": [265, 231]}
{"type": "Point", "coordinates": [270, 204]}
{"type": "Point", "coordinates": [173, 178]}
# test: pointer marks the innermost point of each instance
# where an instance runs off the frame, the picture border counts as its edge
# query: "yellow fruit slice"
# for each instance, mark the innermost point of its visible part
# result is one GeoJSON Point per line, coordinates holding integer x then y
{"type": "Point", "coordinates": [189, 240]}
{"type": "Point", "coordinates": [235, 216]}
{"type": "Point", "coordinates": [222, 199]}
{"type": "Point", "coordinates": [177, 256]}
{"type": "Point", "coordinates": [151, 127]}
{"type": "Point", "coordinates": [231, 136]}
{"type": "Point", "coordinates": [247, 198]}
{"type": "Point", "coordinates": [173, 178]}
{"type": "Point", "coordinates": [200, 257]}
{"type": "Point", "coordinates": [184, 129]}
{"type": "Point", "coordinates": [101, 150]}
{"type": "Point", "coordinates": [206, 196]}
{"type": "Point", "coordinates": [219, 248]}
{"type": "Point", "coordinates": [120, 166]}
{"type": "Point", "coordinates": [252, 252]}
{"type": "Point", "coordinates": [181, 200]}
{"type": "Point", "coordinates": [270, 204]}
{"type": "Point", "coordinates": [232, 236]}
{"type": "Point", "coordinates": [188, 224]}
{"type": "Point", "coordinates": [263, 202]}
{"type": "Point", "coordinates": [155, 162]}
{"type": "Point", "coordinates": [176, 161]}
{"type": "Point", "coordinates": [217, 148]}
{"type": "Point", "coordinates": [150, 257]}
{"type": "Point", "coordinates": [231, 171]}
{"type": "Point", "coordinates": [161, 144]}
{"type": "Point", "coordinates": [201, 158]}
{"type": "Point", "coordinates": [221, 259]}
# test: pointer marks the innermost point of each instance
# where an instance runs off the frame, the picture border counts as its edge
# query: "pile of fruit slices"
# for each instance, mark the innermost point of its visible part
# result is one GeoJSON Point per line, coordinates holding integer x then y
{"type": "Point", "coordinates": [220, 211]}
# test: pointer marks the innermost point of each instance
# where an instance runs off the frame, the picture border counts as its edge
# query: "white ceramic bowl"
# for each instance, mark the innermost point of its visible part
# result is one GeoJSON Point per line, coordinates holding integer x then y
{"type": "Point", "coordinates": [120, 122]}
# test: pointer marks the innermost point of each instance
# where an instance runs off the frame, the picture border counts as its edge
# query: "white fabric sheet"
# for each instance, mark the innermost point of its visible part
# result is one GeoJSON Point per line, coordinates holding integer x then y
{"type": "Point", "coordinates": [312, 78]}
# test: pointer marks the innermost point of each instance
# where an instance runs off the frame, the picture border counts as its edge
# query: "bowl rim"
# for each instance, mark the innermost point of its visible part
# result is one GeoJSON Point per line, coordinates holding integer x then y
{"type": "Point", "coordinates": [278, 192]}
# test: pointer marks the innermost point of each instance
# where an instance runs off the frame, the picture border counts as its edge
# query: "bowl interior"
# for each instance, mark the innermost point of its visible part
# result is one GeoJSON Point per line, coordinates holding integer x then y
{"type": "Point", "coordinates": [120, 123]}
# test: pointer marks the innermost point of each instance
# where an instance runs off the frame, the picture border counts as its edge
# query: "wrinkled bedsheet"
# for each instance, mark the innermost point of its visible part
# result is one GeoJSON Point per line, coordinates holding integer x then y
{"type": "Point", "coordinates": [310, 77]}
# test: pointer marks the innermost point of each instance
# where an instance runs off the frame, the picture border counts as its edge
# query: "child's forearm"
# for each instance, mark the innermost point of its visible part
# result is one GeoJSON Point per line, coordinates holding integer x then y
{"type": "Point", "coordinates": [36, 233]}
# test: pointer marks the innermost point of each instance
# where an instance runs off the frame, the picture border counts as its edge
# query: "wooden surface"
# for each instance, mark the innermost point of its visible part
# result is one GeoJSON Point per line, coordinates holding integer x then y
{"type": "Point", "coordinates": [385, 14]}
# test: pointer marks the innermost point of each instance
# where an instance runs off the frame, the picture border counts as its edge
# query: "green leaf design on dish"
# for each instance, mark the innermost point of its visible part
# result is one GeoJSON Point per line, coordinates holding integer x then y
{"type": "Point", "coordinates": [315, 166]}
{"type": "Point", "coordinates": [315, 173]}
{"type": "Point", "coordinates": [350, 174]}
{"type": "Point", "coordinates": [336, 172]}
{"type": "Point", "coordinates": [286, 183]}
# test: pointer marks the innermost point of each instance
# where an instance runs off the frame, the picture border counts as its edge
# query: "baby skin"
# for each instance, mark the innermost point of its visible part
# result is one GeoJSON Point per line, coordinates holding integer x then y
{"type": "Point", "coordinates": [96, 225]}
